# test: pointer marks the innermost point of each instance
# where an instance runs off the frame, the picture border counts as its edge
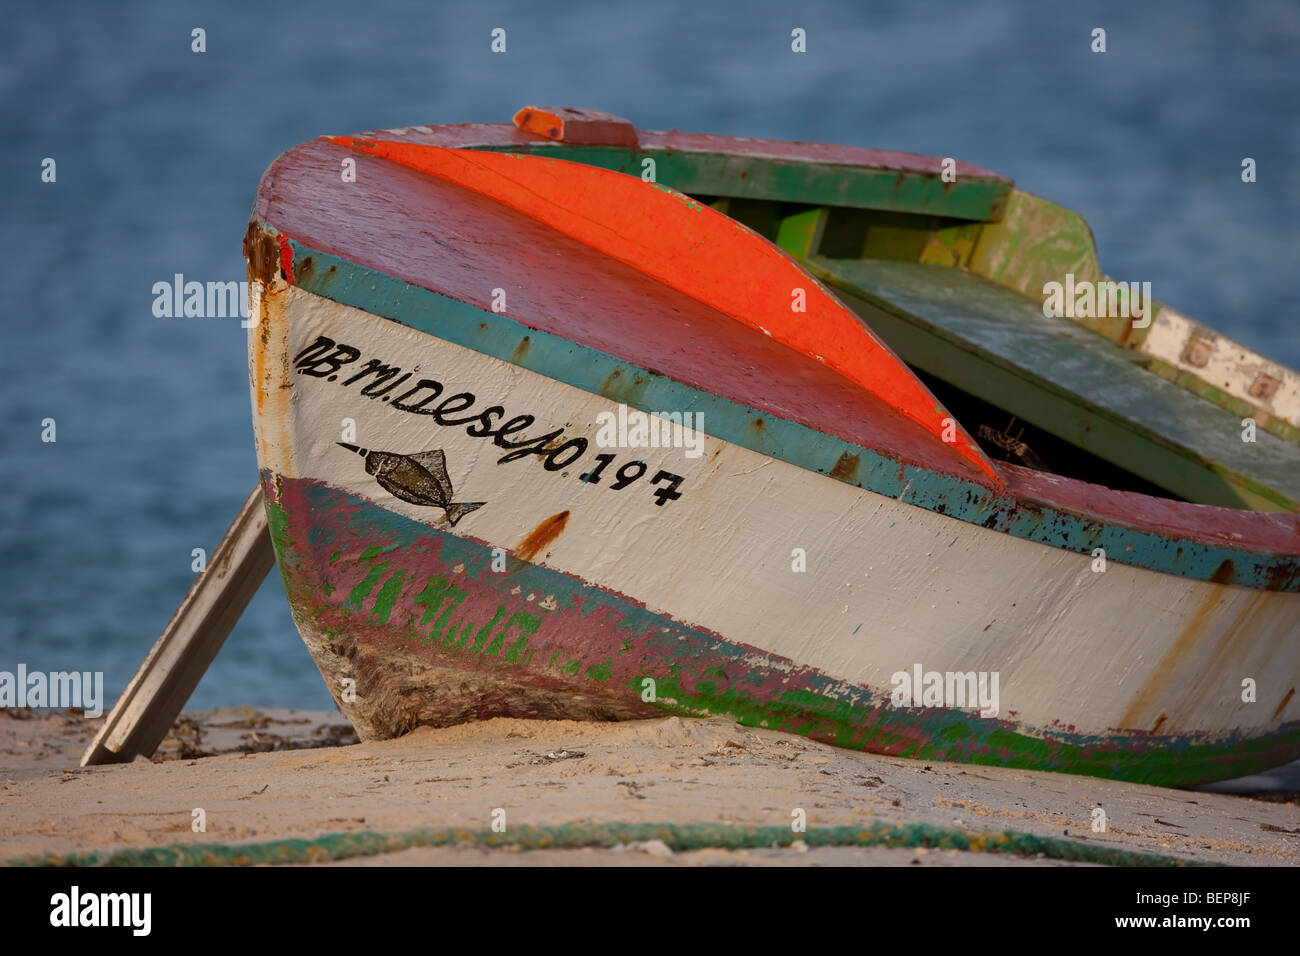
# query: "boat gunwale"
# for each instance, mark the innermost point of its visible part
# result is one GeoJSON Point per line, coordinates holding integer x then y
{"type": "Point", "coordinates": [975, 195]}
{"type": "Point", "coordinates": [497, 136]}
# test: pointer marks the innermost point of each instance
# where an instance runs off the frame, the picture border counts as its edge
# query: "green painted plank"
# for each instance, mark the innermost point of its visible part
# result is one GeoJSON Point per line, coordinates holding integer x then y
{"type": "Point", "coordinates": [1059, 376]}
{"type": "Point", "coordinates": [814, 184]}
{"type": "Point", "coordinates": [800, 234]}
{"type": "Point", "coordinates": [1036, 242]}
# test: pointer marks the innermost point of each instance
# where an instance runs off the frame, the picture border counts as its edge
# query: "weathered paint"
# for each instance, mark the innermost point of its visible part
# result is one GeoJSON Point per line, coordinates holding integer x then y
{"type": "Point", "coordinates": [1175, 538]}
{"type": "Point", "coordinates": [463, 642]}
{"type": "Point", "coordinates": [1222, 363]}
{"type": "Point", "coordinates": [1023, 241]}
{"type": "Point", "coordinates": [1037, 242]}
{"type": "Point", "coordinates": [813, 173]}
{"type": "Point", "coordinates": [573, 306]}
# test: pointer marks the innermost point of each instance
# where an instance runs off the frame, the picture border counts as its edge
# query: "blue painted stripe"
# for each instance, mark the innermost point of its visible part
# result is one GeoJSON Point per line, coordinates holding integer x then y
{"type": "Point", "coordinates": [599, 373]}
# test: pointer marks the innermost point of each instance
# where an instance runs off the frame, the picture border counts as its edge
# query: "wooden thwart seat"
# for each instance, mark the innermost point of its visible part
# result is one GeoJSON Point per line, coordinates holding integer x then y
{"type": "Point", "coordinates": [1061, 377]}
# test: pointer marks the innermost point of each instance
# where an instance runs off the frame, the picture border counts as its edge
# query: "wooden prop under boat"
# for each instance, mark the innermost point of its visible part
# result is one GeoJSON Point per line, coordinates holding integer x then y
{"type": "Point", "coordinates": [454, 356]}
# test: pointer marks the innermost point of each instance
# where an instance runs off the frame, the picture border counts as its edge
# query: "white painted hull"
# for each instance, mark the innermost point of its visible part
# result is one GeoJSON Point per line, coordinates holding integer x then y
{"type": "Point", "coordinates": [887, 585]}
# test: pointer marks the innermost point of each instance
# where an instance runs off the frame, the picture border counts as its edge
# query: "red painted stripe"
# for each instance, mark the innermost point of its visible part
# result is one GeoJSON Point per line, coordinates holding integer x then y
{"type": "Point", "coordinates": [700, 253]}
{"type": "Point", "coordinates": [1266, 532]}
{"type": "Point", "coordinates": [286, 258]}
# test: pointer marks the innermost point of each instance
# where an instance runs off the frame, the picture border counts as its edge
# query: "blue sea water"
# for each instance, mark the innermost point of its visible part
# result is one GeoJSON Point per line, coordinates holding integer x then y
{"type": "Point", "coordinates": [159, 150]}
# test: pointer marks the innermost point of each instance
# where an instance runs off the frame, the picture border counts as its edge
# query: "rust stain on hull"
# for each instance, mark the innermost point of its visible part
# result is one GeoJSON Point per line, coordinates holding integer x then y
{"type": "Point", "coordinates": [1225, 573]}
{"type": "Point", "coordinates": [1168, 667]}
{"type": "Point", "coordinates": [542, 535]}
{"type": "Point", "coordinates": [846, 469]}
{"type": "Point", "coordinates": [270, 270]}
{"type": "Point", "coordinates": [1235, 633]}
{"type": "Point", "coordinates": [521, 350]}
{"type": "Point", "coordinates": [1282, 706]}
{"type": "Point", "coordinates": [263, 254]}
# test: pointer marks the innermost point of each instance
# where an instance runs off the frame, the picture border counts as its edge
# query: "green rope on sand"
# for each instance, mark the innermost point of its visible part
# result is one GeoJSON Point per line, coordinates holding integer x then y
{"type": "Point", "coordinates": [698, 836]}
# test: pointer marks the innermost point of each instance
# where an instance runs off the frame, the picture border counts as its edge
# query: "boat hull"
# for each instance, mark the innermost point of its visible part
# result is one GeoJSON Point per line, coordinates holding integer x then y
{"type": "Point", "coordinates": [766, 591]}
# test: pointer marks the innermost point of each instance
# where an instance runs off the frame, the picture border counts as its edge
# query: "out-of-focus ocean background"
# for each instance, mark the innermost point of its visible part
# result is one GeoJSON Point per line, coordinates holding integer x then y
{"type": "Point", "coordinates": [159, 151]}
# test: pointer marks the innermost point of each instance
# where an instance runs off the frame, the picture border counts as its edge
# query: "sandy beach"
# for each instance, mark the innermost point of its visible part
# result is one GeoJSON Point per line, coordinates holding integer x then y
{"type": "Point", "coordinates": [264, 777]}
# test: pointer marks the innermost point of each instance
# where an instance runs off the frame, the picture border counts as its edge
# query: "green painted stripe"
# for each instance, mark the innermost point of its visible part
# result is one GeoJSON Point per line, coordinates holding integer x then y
{"type": "Point", "coordinates": [786, 180]}
{"type": "Point", "coordinates": [678, 837]}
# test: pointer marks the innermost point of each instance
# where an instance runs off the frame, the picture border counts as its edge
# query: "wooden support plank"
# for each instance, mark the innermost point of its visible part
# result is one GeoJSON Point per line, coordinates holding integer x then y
{"type": "Point", "coordinates": [1055, 374]}
{"type": "Point", "coordinates": [800, 234]}
{"type": "Point", "coordinates": [154, 697]}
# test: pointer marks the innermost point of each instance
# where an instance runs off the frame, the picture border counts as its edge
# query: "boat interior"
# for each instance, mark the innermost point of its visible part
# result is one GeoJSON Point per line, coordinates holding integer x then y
{"type": "Point", "coordinates": [1045, 392]}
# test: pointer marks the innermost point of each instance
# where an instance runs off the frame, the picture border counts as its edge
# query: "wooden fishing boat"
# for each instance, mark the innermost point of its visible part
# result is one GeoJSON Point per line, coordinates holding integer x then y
{"type": "Point", "coordinates": [568, 419]}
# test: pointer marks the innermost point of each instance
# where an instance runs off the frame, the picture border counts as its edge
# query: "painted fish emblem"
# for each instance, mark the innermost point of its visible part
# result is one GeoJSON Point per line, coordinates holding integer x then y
{"type": "Point", "coordinates": [420, 479]}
